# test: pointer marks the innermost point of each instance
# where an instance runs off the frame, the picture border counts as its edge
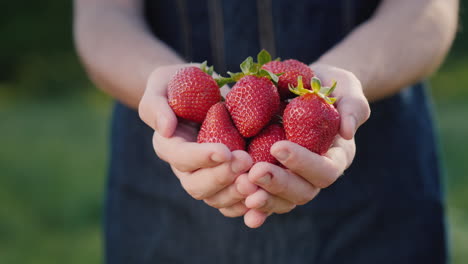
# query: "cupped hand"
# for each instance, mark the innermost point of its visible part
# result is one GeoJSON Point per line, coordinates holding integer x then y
{"type": "Point", "coordinates": [207, 171]}
{"type": "Point", "coordinates": [281, 190]}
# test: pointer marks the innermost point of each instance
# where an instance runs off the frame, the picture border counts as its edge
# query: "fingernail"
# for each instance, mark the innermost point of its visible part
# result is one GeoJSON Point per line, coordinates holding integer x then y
{"type": "Point", "coordinates": [282, 155]}
{"type": "Point", "coordinates": [216, 157]}
{"type": "Point", "coordinates": [237, 166]}
{"type": "Point", "coordinates": [261, 204]}
{"type": "Point", "coordinates": [247, 189]}
{"type": "Point", "coordinates": [264, 180]}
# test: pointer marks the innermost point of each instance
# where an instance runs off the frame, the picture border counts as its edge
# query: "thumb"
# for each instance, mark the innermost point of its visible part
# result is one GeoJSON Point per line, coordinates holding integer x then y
{"type": "Point", "coordinates": [354, 111]}
{"type": "Point", "coordinates": [155, 111]}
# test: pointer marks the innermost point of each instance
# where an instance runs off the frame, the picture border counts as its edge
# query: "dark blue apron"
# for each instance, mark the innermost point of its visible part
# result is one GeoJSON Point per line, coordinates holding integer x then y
{"type": "Point", "coordinates": [387, 208]}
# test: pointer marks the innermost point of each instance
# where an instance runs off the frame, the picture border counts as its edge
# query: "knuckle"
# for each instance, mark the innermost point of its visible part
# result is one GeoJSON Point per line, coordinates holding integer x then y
{"type": "Point", "coordinates": [325, 182]}
{"type": "Point", "coordinates": [268, 207]}
{"type": "Point", "coordinates": [286, 209]}
{"type": "Point", "coordinates": [224, 212]}
{"type": "Point", "coordinates": [305, 198]}
{"type": "Point", "coordinates": [234, 193]}
{"type": "Point", "coordinates": [196, 194]}
{"type": "Point", "coordinates": [213, 203]}
{"type": "Point", "coordinates": [160, 153]}
{"type": "Point", "coordinates": [280, 188]}
{"type": "Point", "coordinates": [302, 200]}
{"type": "Point", "coordinates": [183, 168]}
{"type": "Point", "coordinates": [223, 179]}
{"type": "Point", "coordinates": [230, 212]}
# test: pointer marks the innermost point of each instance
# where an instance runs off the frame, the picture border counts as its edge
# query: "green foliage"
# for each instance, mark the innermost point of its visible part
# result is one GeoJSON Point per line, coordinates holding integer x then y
{"type": "Point", "coordinates": [37, 58]}
{"type": "Point", "coordinates": [450, 82]}
{"type": "Point", "coordinates": [453, 128]}
{"type": "Point", "coordinates": [52, 160]}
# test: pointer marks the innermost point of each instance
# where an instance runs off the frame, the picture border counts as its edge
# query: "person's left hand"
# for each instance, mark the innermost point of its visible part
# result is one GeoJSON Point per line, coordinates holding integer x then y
{"type": "Point", "coordinates": [307, 172]}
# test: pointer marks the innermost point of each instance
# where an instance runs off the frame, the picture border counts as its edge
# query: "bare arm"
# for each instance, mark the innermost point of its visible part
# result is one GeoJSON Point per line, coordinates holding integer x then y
{"type": "Point", "coordinates": [116, 47]}
{"type": "Point", "coordinates": [402, 43]}
{"type": "Point", "coordinates": [125, 60]}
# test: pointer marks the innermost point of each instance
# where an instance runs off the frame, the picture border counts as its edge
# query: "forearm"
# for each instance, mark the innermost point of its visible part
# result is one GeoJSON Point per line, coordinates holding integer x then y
{"type": "Point", "coordinates": [117, 49]}
{"type": "Point", "coordinates": [403, 43]}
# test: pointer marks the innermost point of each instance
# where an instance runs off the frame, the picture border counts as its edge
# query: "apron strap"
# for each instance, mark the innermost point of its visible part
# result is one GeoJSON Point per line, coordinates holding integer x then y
{"type": "Point", "coordinates": [215, 13]}
{"type": "Point", "coordinates": [265, 26]}
{"type": "Point", "coordinates": [186, 29]}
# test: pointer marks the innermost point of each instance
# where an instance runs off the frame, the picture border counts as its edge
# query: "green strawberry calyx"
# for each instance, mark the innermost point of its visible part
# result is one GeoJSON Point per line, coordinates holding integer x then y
{"type": "Point", "coordinates": [210, 70]}
{"type": "Point", "coordinates": [204, 67]}
{"type": "Point", "coordinates": [317, 88]}
{"type": "Point", "coordinates": [249, 67]}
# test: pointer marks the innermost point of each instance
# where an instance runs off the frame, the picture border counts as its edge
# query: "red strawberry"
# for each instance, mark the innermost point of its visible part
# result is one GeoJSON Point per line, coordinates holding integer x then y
{"type": "Point", "coordinates": [191, 92]}
{"type": "Point", "coordinates": [291, 69]}
{"type": "Point", "coordinates": [311, 120]}
{"type": "Point", "coordinates": [252, 102]}
{"type": "Point", "coordinates": [259, 147]}
{"type": "Point", "coordinates": [218, 128]}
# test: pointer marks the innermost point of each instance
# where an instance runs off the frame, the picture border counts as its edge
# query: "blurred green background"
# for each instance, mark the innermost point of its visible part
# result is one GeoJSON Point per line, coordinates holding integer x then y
{"type": "Point", "coordinates": [54, 126]}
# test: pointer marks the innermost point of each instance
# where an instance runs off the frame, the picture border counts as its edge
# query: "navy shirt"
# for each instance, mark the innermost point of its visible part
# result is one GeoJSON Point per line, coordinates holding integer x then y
{"type": "Point", "coordinates": [386, 208]}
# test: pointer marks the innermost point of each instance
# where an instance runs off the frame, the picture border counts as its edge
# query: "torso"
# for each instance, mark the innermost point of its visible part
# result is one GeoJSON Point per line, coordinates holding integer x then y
{"type": "Point", "coordinates": [394, 176]}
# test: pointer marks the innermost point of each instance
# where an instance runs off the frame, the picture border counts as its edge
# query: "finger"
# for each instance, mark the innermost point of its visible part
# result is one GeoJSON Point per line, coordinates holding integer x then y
{"type": "Point", "coordinates": [320, 171]}
{"type": "Point", "coordinates": [354, 111]}
{"type": "Point", "coordinates": [189, 156]}
{"type": "Point", "coordinates": [244, 186]}
{"type": "Point", "coordinates": [206, 182]}
{"type": "Point", "coordinates": [267, 203]}
{"type": "Point", "coordinates": [342, 153]}
{"type": "Point", "coordinates": [282, 183]}
{"type": "Point", "coordinates": [254, 218]}
{"type": "Point", "coordinates": [236, 210]}
{"type": "Point", "coordinates": [154, 109]}
{"type": "Point", "coordinates": [227, 196]}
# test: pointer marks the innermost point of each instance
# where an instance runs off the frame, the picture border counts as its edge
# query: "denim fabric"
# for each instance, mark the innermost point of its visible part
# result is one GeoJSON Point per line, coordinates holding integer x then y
{"type": "Point", "coordinates": [387, 208]}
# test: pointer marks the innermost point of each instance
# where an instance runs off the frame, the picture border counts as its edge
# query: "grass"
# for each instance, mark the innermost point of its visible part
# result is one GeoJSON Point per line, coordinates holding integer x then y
{"type": "Point", "coordinates": [53, 162]}
{"type": "Point", "coordinates": [53, 156]}
{"type": "Point", "coordinates": [450, 94]}
{"type": "Point", "coordinates": [453, 130]}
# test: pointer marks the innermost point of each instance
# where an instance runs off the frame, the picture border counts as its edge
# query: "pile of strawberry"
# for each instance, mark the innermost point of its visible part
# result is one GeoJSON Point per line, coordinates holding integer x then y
{"type": "Point", "coordinates": [270, 101]}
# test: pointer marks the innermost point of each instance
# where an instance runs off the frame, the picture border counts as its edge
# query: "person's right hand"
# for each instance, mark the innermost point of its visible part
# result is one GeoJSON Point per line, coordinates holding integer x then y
{"type": "Point", "coordinates": [207, 171]}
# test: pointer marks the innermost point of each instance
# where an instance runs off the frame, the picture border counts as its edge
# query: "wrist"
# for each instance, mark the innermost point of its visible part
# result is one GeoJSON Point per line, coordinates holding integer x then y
{"type": "Point", "coordinates": [366, 74]}
{"type": "Point", "coordinates": [336, 72]}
